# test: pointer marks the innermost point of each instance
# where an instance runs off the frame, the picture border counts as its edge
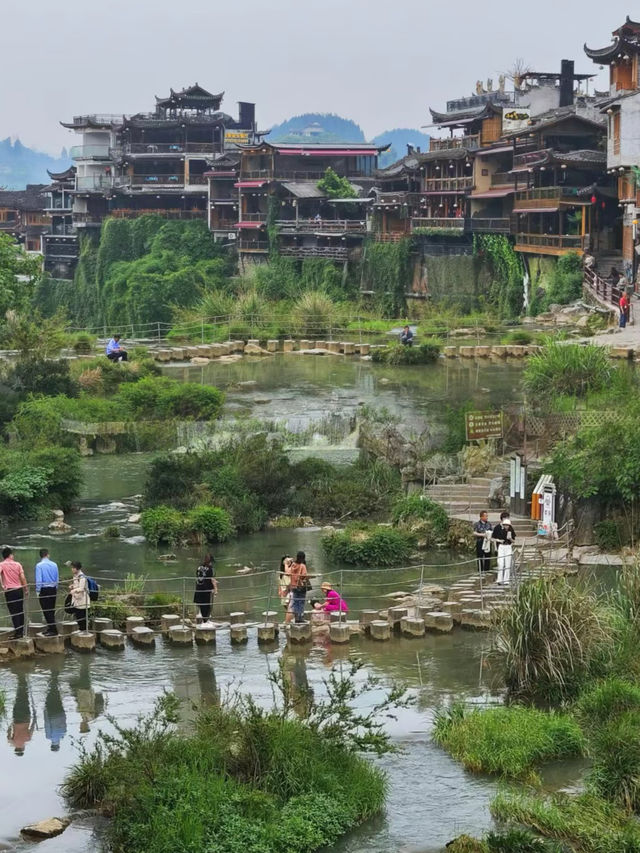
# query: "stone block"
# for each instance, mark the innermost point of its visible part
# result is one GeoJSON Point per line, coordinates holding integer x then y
{"type": "Point", "coordinates": [483, 352]}
{"type": "Point", "coordinates": [199, 360]}
{"type": "Point", "coordinates": [368, 616]}
{"type": "Point", "coordinates": [287, 346]}
{"type": "Point", "coordinates": [333, 346]}
{"type": "Point", "coordinates": [412, 626]}
{"type": "Point", "coordinates": [35, 628]}
{"type": "Point", "coordinates": [134, 622]}
{"type": "Point", "coordinates": [621, 352]}
{"type": "Point", "coordinates": [364, 349]}
{"type": "Point", "coordinates": [143, 636]}
{"type": "Point", "coordinates": [205, 634]}
{"type": "Point", "coordinates": [273, 345]}
{"type": "Point", "coordinates": [49, 645]}
{"type": "Point", "coordinates": [237, 618]}
{"type": "Point", "coordinates": [379, 629]}
{"type": "Point", "coordinates": [177, 353]}
{"type": "Point", "coordinates": [450, 352]}
{"type": "Point", "coordinates": [337, 616]}
{"type": "Point", "coordinates": [320, 345]}
{"type": "Point", "coordinates": [267, 632]}
{"type": "Point", "coordinates": [5, 635]}
{"type": "Point", "coordinates": [300, 632]}
{"type": "Point", "coordinates": [68, 627]}
{"type": "Point", "coordinates": [22, 648]}
{"type": "Point", "coordinates": [111, 638]}
{"type": "Point", "coordinates": [83, 641]}
{"type": "Point", "coordinates": [181, 635]}
{"type": "Point", "coordinates": [498, 352]}
{"type": "Point", "coordinates": [269, 616]}
{"type": "Point", "coordinates": [305, 344]}
{"type": "Point", "coordinates": [45, 829]}
{"type": "Point", "coordinates": [339, 632]}
{"type": "Point", "coordinates": [452, 607]}
{"type": "Point", "coordinates": [168, 620]}
{"type": "Point", "coordinates": [238, 634]}
{"type": "Point", "coordinates": [396, 614]}
{"type": "Point", "coordinates": [475, 618]}
{"type": "Point", "coordinates": [467, 352]}
{"type": "Point", "coordinates": [101, 624]}
{"type": "Point", "coordinates": [439, 620]}
{"type": "Point", "coordinates": [347, 347]}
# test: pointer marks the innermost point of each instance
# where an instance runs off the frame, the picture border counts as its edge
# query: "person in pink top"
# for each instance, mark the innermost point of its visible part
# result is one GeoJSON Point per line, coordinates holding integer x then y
{"type": "Point", "coordinates": [14, 586]}
{"type": "Point", "coordinates": [333, 602]}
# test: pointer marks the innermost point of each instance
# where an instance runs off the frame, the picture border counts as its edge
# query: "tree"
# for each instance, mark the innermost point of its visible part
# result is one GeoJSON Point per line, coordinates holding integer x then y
{"type": "Point", "coordinates": [18, 274]}
{"type": "Point", "coordinates": [335, 186]}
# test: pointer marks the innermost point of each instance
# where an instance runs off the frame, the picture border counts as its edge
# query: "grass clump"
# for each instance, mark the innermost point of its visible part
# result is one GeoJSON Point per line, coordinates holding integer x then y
{"type": "Point", "coordinates": [551, 639]}
{"type": "Point", "coordinates": [369, 544]}
{"type": "Point", "coordinates": [567, 369]}
{"type": "Point", "coordinates": [425, 353]}
{"type": "Point", "coordinates": [422, 517]}
{"type": "Point", "coordinates": [245, 779]}
{"type": "Point", "coordinates": [510, 742]}
{"type": "Point", "coordinates": [202, 523]}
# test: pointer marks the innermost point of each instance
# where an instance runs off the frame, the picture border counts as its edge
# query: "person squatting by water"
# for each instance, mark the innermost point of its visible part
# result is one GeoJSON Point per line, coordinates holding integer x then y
{"type": "Point", "coordinates": [14, 586]}
{"type": "Point", "coordinates": [406, 337]}
{"type": "Point", "coordinates": [206, 586]}
{"type": "Point", "coordinates": [79, 593]}
{"type": "Point", "coordinates": [47, 580]}
{"type": "Point", "coordinates": [482, 532]}
{"type": "Point", "coordinates": [114, 351]}
{"type": "Point", "coordinates": [504, 536]}
{"type": "Point", "coordinates": [298, 586]}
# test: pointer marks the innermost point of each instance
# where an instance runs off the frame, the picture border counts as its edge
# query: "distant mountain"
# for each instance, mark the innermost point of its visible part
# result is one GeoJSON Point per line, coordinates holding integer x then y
{"type": "Point", "coordinates": [316, 127]}
{"type": "Point", "coordinates": [399, 138]}
{"type": "Point", "coordinates": [20, 165]}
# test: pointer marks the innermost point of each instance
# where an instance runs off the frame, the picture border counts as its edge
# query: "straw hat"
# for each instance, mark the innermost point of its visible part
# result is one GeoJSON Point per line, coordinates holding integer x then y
{"type": "Point", "coordinates": [325, 585]}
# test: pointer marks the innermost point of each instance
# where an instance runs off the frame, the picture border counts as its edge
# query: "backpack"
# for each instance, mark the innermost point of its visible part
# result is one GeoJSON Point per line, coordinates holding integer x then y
{"type": "Point", "coordinates": [94, 589]}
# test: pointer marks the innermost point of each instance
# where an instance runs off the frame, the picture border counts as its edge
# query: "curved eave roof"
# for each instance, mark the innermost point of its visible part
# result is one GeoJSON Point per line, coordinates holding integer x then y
{"type": "Point", "coordinates": [476, 113]}
{"type": "Point", "coordinates": [605, 54]}
{"type": "Point", "coordinates": [67, 175]}
{"type": "Point", "coordinates": [95, 125]}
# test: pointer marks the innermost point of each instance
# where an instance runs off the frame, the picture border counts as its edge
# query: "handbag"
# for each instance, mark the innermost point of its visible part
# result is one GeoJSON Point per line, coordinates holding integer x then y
{"type": "Point", "coordinates": [68, 607]}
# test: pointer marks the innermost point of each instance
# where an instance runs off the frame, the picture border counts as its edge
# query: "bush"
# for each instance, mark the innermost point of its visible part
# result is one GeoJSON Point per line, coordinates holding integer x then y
{"type": "Point", "coordinates": [550, 639]}
{"type": "Point", "coordinates": [314, 314]}
{"type": "Point", "coordinates": [369, 544]}
{"type": "Point", "coordinates": [600, 704]}
{"type": "Point", "coordinates": [36, 480]}
{"type": "Point", "coordinates": [37, 376]}
{"type": "Point", "coordinates": [160, 398]}
{"type": "Point", "coordinates": [426, 353]}
{"type": "Point", "coordinates": [567, 369]}
{"type": "Point", "coordinates": [83, 344]}
{"type": "Point", "coordinates": [162, 524]}
{"type": "Point", "coordinates": [508, 741]}
{"type": "Point", "coordinates": [423, 517]}
{"type": "Point", "coordinates": [211, 523]}
{"type": "Point", "coordinates": [607, 534]}
{"type": "Point", "coordinates": [615, 772]}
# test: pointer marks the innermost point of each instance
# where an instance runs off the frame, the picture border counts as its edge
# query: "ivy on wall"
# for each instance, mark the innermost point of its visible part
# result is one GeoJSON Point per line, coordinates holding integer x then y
{"type": "Point", "coordinates": [506, 289]}
{"type": "Point", "coordinates": [387, 272]}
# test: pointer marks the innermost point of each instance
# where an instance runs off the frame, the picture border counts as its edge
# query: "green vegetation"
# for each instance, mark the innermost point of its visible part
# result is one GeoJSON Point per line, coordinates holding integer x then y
{"type": "Point", "coordinates": [387, 269]}
{"type": "Point", "coordinates": [422, 517]}
{"type": "Point", "coordinates": [246, 779]}
{"type": "Point", "coordinates": [399, 354]}
{"type": "Point", "coordinates": [369, 544]}
{"type": "Point", "coordinates": [510, 742]}
{"type": "Point", "coordinates": [201, 524]}
{"type": "Point", "coordinates": [564, 284]}
{"type": "Point", "coordinates": [507, 290]}
{"type": "Point", "coordinates": [334, 186]}
{"type": "Point", "coordinates": [18, 274]}
{"type": "Point", "coordinates": [3, 701]}
{"type": "Point", "coordinates": [573, 369]}
{"type": "Point", "coordinates": [34, 481]}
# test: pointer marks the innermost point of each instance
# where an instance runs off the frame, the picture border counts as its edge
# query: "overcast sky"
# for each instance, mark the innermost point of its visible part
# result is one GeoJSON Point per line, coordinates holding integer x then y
{"type": "Point", "coordinates": [379, 62]}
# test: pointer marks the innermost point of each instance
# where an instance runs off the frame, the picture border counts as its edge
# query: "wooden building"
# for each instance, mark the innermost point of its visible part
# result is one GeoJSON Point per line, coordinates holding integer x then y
{"type": "Point", "coordinates": [23, 216]}
{"type": "Point", "coordinates": [60, 242]}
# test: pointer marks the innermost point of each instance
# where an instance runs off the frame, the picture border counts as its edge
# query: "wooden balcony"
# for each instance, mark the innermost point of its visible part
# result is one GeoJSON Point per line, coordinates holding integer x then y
{"type": "Point", "coordinates": [155, 180]}
{"type": "Point", "coordinates": [256, 174]}
{"type": "Point", "coordinates": [390, 236]}
{"type": "Point", "coordinates": [470, 142]}
{"type": "Point", "coordinates": [83, 220]}
{"type": "Point", "coordinates": [318, 226]}
{"type": "Point", "coordinates": [529, 158]}
{"type": "Point", "coordinates": [258, 246]}
{"type": "Point", "coordinates": [545, 197]}
{"type": "Point", "coordinates": [223, 224]}
{"type": "Point", "coordinates": [502, 179]}
{"type": "Point", "coordinates": [457, 184]}
{"type": "Point", "coordinates": [445, 223]}
{"type": "Point", "coordinates": [167, 148]}
{"type": "Point", "coordinates": [481, 225]}
{"type": "Point", "coordinates": [260, 216]}
{"type": "Point", "coordinates": [172, 213]}
{"type": "Point", "coordinates": [332, 253]}
{"type": "Point", "coordinates": [551, 244]}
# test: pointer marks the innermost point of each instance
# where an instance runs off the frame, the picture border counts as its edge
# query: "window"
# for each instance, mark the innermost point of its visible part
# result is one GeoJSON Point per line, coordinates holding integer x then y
{"type": "Point", "coordinates": [615, 132]}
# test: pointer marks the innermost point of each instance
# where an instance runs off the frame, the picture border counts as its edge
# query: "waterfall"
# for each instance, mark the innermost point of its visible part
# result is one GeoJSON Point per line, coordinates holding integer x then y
{"type": "Point", "coordinates": [525, 290]}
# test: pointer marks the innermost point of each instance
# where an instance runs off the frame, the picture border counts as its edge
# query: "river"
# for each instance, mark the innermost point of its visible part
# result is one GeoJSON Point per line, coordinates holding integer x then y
{"type": "Point", "coordinates": [53, 705]}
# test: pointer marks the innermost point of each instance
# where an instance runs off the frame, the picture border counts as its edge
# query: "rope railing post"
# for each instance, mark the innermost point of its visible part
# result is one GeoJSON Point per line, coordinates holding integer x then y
{"type": "Point", "coordinates": [184, 600]}
{"type": "Point", "coordinates": [341, 594]}
{"type": "Point", "coordinates": [268, 598]}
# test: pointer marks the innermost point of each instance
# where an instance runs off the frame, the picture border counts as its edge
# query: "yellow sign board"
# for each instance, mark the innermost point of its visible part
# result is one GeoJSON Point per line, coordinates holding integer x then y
{"type": "Point", "coordinates": [237, 136]}
{"type": "Point", "coordinates": [483, 425]}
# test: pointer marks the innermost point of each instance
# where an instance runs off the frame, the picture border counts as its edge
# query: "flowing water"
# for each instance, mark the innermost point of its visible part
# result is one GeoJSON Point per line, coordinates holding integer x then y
{"type": "Point", "coordinates": [53, 705]}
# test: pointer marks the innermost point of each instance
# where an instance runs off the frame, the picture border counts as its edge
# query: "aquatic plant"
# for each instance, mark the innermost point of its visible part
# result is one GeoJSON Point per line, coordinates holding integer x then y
{"type": "Point", "coordinates": [550, 638]}
{"type": "Point", "coordinates": [369, 544]}
{"type": "Point", "coordinates": [424, 353]}
{"type": "Point", "coordinates": [510, 742]}
{"type": "Point", "coordinates": [562, 368]}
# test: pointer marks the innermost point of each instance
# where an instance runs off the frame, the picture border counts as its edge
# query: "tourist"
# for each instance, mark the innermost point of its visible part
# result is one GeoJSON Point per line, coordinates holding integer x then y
{"type": "Point", "coordinates": [482, 532]}
{"type": "Point", "coordinates": [504, 535]}
{"type": "Point", "coordinates": [206, 586]}
{"type": "Point", "coordinates": [624, 309]}
{"type": "Point", "coordinates": [47, 590]}
{"type": "Point", "coordinates": [406, 337]}
{"type": "Point", "coordinates": [333, 601]}
{"type": "Point", "coordinates": [80, 600]}
{"type": "Point", "coordinates": [284, 580]}
{"type": "Point", "coordinates": [14, 586]}
{"type": "Point", "coordinates": [298, 586]}
{"type": "Point", "coordinates": [116, 352]}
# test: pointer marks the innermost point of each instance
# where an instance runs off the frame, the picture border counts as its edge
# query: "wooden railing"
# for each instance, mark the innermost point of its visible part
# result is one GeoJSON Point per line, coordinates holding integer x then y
{"type": "Point", "coordinates": [253, 245]}
{"type": "Point", "coordinates": [501, 179]}
{"type": "Point", "coordinates": [554, 241]}
{"type": "Point", "coordinates": [255, 174]}
{"type": "Point", "coordinates": [555, 193]}
{"type": "Point", "coordinates": [197, 179]}
{"type": "Point", "coordinates": [530, 158]}
{"type": "Point", "coordinates": [223, 224]}
{"type": "Point", "coordinates": [605, 291]}
{"type": "Point", "coordinates": [500, 225]}
{"type": "Point", "coordinates": [456, 222]}
{"type": "Point", "coordinates": [252, 217]}
{"type": "Point", "coordinates": [440, 184]}
{"type": "Point", "coordinates": [390, 236]}
{"type": "Point", "coordinates": [168, 148]}
{"type": "Point", "coordinates": [471, 142]}
{"type": "Point", "coordinates": [312, 225]}
{"type": "Point", "coordinates": [334, 253]}
{"type": "Point", "coordinates": [172, 213]}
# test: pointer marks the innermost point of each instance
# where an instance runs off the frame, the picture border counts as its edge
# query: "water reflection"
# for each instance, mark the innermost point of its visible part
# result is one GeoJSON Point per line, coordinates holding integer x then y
{"type": "Point", "coordinates": [23, 721]}
{"type": "Point", "coordinates": [90, 704]}
{"type": "Point", "coordinates": [55, 719]}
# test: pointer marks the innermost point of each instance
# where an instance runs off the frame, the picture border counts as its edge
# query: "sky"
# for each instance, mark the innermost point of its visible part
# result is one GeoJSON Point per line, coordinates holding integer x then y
{"type": "Point", "coordinates": [379, 62]}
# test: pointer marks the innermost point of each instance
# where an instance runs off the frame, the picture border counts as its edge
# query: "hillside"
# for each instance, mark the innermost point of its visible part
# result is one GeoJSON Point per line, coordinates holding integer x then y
{"type": "Point", "coordinates": [20, 165]}
{"type": "Point", "coordinates": [399, 138]}
{"type": "Point", "coordinates": [316, 127]}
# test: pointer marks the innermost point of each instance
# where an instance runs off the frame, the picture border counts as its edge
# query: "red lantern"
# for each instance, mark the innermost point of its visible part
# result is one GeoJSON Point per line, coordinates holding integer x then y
{"type": "Point", "coordinates": [593, 199]}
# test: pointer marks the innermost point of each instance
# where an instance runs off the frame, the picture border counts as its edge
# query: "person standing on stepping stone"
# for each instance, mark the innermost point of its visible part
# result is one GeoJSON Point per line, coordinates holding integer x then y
{"type": "Point", "coordinates": [299, 585]}
{"type": "Point", "coordinates": [79, 595]}
{"type": "Point", "coordinates": [47, 589]}
{"type": "Point", "coordinates": [14, 586]}
{"type": "Point", "coordinates": [483, 541]}
{"type": "Point", "coordinates": [206, 586]}
{"type": "Point", "coordinates": [504, 536]}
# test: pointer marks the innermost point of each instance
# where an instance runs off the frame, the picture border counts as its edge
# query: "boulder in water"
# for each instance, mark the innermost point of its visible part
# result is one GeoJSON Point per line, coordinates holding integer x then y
{"type": "Point", "coordinates": [167, 558]}
{"type": "Point", "coordinates": [59, 526]}
{"type": "Point", "coordinates": [46, 828]}
{"type": "Point", "coordinates": [134, 518]}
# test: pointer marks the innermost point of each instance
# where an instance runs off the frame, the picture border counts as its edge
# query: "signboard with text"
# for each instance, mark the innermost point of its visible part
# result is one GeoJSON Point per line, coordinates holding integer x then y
{"type": "Point", "coordinates": [514, 118]}
{"type": "Point", "coordinates": [481, 425]}
{"type": "Point", "coordinates": [237, 137]}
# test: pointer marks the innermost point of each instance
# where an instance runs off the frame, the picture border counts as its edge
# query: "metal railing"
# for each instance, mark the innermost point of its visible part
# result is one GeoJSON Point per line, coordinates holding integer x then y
{"type": "Point", "coordinates": [470, 142]}
{"type": "Point", "coordinates": [98, 118]}
{"type": "Point", "coordinates": [89, 152]}
{"type": "Point", "coordinates": [157, 180]}
{"type": "Point", "coordinates": [168, 148]}
{"type": "Point", "coordinates": [87, 219]}
{"type": "Point", "coordinates": [554, 241]}
{"type": "Point", "coordinates": [94, 182]}
{"type": "Point", "coordinates": [454, 183]}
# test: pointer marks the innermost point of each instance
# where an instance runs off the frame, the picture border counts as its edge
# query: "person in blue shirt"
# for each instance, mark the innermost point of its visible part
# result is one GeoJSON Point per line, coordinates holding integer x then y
{"type": "Point", "coordinates": [47, 579]}
{"type": "Point", "coordinates": [114, 351]}
{"type": "Point", "coordinates": [406, 337]}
